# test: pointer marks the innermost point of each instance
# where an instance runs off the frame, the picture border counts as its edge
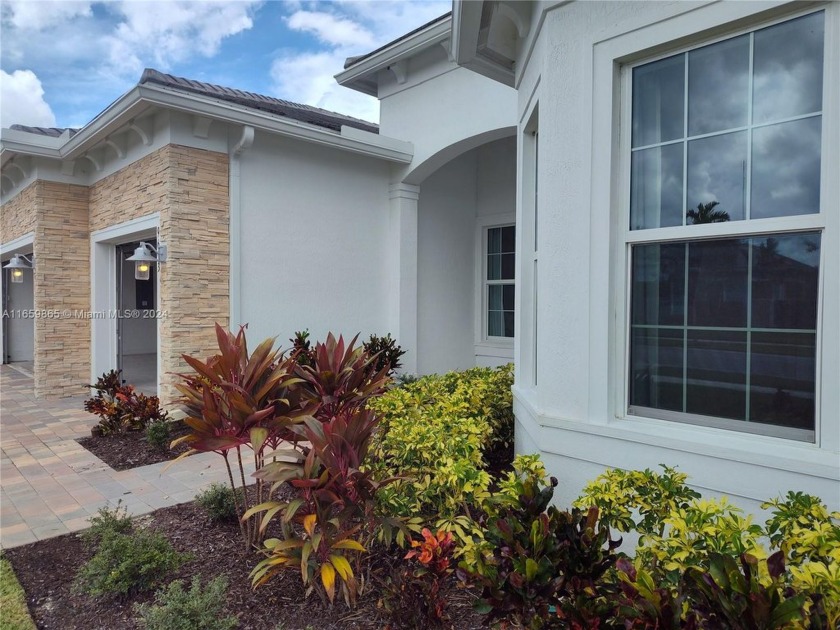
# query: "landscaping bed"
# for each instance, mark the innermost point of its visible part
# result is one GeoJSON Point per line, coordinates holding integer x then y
{"type": "Point", "coordinates": [131, 449]}
{"type": "Point", "coordinates": [47, 569]}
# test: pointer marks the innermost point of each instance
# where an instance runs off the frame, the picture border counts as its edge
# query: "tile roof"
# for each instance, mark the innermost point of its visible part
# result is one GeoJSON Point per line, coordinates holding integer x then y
{"type": "Point", "coordinates": [53, 132]}
{"type": "Point", "coordinates": [352, 61]}
{"type": "Point", "coordinates": [295, 111]}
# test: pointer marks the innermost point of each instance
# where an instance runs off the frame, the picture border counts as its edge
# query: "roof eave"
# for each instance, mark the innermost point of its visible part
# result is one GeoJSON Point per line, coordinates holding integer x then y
{"type": "Point", "coordinates": [361, 76]}
{"type": "Point", "coordinates": [141, 98]}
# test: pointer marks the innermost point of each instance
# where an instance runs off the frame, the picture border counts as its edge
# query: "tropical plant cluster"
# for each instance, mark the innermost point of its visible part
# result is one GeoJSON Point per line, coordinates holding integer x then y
{"type": "Point", "coordinates": [348, 463]}
{"type": "Point", "coordinates": [120, 407]}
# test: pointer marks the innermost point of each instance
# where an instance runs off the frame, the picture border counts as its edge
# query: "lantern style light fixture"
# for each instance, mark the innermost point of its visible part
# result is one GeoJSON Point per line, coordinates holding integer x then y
{"type": "Point", "coordinates": [17, 264]}
{"type": "Point", "coordinates": [143, 258]}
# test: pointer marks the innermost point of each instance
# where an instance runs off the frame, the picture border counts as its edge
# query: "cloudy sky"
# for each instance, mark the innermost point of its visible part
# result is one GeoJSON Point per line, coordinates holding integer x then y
{"type": "Point", "coordinates": [61, 63]}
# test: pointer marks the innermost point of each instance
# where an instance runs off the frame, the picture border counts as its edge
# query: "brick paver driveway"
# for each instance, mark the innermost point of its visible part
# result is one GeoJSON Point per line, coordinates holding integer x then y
{"type": "Point", "coordinates": [50, 485]}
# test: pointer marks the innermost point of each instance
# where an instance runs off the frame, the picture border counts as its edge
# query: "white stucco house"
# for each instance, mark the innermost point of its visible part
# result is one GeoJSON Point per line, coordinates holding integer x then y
{"type": "Point", "coordinates": [636, 202]}
{"type": "Point", "coordinates": [646, 333]}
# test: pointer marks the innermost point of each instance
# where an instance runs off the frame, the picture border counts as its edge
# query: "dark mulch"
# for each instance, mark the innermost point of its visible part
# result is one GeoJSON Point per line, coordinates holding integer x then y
{"type": "Point", "coordinates": [122, 451]}
{"type": "Point", "coordinates": [46, 570]}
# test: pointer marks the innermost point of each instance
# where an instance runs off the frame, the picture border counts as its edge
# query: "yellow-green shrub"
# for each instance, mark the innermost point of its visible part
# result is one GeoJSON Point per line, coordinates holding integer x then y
{"type": "Point", "coordinates": [432, 435]}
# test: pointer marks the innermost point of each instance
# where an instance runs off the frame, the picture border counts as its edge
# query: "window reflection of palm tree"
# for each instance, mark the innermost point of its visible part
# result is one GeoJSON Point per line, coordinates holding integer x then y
{"type": "Point", "coordinates": [706, 213]}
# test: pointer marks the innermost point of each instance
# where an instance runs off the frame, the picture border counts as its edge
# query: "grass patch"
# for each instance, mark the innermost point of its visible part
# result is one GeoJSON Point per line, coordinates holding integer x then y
{"type": "Point", "coordinates": [15, 615]}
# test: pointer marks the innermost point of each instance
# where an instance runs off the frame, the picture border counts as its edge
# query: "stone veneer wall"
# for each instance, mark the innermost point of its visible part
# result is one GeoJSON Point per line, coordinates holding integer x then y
{"type": "Point", "coordinates": [194, 283]}
{"type": "Point", "coordinates": [189, 189]}
{"type": "Point", "coordinates": [17, 217]}
{"type": "Point", "coordinates": [140, 189]}
{"type": "Point", "coordinates": [62, 284]}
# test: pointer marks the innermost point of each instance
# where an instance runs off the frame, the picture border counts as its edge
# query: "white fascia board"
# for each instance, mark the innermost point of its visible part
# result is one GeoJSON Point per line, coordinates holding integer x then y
{"type": "Point", "coordinates": [141, 98]}
{"type": "Point", "coordinates": [360, 75]}
{"type": "Point", "coordinates": [466, 23]}
{"type": "Point", "coordinates": [372, 145]}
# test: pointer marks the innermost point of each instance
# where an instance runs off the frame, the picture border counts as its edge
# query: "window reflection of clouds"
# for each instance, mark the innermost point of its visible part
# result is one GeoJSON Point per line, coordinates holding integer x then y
{"type": "Point", "coordinates": [656, 187]}
{"type": "Point", "coordinates": [786, 169]}
{"type": "Point", "coordinates": [717, 172]}
{"type": "Point", "coordinates": [718, 86]}
{"type": "Point", "coordinates": [788, 69]}
{"type": "Point", "coordinates": [658, 101]}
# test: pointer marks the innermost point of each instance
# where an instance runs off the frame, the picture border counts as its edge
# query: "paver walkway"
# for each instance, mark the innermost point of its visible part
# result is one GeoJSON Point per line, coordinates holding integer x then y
{"type": "Point", "coordinates": [50, 485]}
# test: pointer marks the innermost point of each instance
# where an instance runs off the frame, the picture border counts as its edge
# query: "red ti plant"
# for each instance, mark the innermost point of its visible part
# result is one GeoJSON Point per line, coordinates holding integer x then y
{"type": "Point", "coordinates": [340, 377]}
{"type": "Point", "coordinates": [238, 399]}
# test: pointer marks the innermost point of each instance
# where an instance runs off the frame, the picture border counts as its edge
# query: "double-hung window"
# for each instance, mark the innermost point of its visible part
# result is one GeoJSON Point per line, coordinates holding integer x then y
{"type": "Point", "coordinates": [725, 231]}
{"type": "Point", "coordinates": [499, 283]}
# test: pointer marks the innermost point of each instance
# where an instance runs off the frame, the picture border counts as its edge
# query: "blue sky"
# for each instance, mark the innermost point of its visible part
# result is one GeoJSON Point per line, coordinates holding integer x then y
{"type": "Point", "coordinates": [63, 62]}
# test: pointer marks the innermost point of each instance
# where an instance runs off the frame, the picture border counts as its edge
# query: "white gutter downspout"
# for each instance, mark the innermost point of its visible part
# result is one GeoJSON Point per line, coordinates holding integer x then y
{"type": "Point", "coordinates": [245, 142]}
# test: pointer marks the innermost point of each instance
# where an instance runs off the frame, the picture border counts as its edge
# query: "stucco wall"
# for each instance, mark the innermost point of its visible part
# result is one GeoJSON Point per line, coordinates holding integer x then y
{"type": "Point", "coordinates": [575, 416]}
{"type": "Point", "coordinates": [313, 241]}
{"type": "Point", "coordinates": [440, 114]}
{"type": "Point", "coordinates": [446, 267]}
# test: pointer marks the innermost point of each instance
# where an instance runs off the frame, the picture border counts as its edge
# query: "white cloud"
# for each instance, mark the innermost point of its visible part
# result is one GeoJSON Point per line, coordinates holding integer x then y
{"type": "Point", "coordinates": [308, 78]}
{"type": "Point", "coordinates": [22, 99]}
{"type": "Point", "coordinates": [330, 29]}
{"type": "Point", "coordinates": [350, 28]}
{"type": "Point", "coordinates": [172, 34]}
{"type": "Point", "coordinates": [29, 15]}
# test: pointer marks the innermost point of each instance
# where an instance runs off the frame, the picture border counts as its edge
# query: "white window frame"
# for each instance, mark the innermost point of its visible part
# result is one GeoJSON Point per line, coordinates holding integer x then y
{"type": "Point", "coordinates": [824, 222]}
{"type": "Point", "coordinates": [486, 345]}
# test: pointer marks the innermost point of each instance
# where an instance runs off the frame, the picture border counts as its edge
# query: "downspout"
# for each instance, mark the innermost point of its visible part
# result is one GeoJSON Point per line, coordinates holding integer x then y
{"type": "Point", "coordinates": [245, 142]}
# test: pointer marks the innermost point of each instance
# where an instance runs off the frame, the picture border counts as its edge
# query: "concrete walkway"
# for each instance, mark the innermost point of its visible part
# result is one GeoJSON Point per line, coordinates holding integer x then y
{"type": "Point", "coordinates": [50, 485]}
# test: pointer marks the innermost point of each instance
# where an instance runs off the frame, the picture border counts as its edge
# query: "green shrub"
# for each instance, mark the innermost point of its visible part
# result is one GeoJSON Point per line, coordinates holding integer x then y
{"type": "Point", "coordinates": [433, 435]}
{"type": "Point", "coordinates": [701, 561]}
{"type": "Point", "coordinates": [157, 434]}
{"type": "Point", "coordinates": [195, 609]}
{"type": "Point", "coordinates": [126, 563]}
{"type": "Point", "coordinates": [107, 521]}
{"type": "Point", "coordinates": [219, 501]}
{"type": "Point", "coordinates": [637, 500]}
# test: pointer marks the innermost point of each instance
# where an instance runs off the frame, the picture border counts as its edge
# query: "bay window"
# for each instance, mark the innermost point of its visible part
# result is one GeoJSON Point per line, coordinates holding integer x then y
{"type": "Point", "coordinates": [724, 232]}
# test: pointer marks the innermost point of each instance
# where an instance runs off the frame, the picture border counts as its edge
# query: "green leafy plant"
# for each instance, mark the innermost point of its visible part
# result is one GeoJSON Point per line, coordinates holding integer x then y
{"type": "Point", "coordinates": [125, 563]}
{"type": "Point", "coordinates": [537, 563]}
{"type": "Point", "coordinates": [219, 502]}
{"type": "Point", "coordinates": [157, 434]}
{"type": "Point", "coordinates": [120, 408]}
{"type": "Point", "coordinates": [415, 595]}
{"type": "Point", "coordinates": [176, 608]}
{"type": "Point", "coordinates": [433, 436]}
{"type": "Point", "coordinates": [802, 527]}
{"type": "Point", "coordinates": [107, 521]}
{"type": "Point", "coordinates": [733, 596]}
{"type": "Point", "coordinates": [637, 500]}
{"type": "Point", "coordinates": [385, 352]}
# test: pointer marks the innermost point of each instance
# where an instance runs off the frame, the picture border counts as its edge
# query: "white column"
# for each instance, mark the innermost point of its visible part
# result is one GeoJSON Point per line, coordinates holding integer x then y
{"type": "Point", "coordinates": [402, 304]}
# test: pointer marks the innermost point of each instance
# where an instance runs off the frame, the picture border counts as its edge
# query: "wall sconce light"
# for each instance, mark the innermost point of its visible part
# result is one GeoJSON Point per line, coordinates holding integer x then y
{"type": "Point", "coordinates": [17, 264]}
{"type": "Point", "coordinates": [144, 256]}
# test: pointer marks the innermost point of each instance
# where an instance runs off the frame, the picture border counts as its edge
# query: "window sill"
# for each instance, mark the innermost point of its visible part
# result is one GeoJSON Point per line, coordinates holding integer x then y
{"type": "Point", "coordinates": [719, 444]}
{"type": "Point", "coordinates": [502, 349]}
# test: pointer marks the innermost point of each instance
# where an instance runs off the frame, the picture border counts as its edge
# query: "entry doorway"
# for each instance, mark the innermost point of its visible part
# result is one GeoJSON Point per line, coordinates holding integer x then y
{"type": "Point", "coordinates": [137, 303]}
{"type": "Point", "coordinates": [18, 302]}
